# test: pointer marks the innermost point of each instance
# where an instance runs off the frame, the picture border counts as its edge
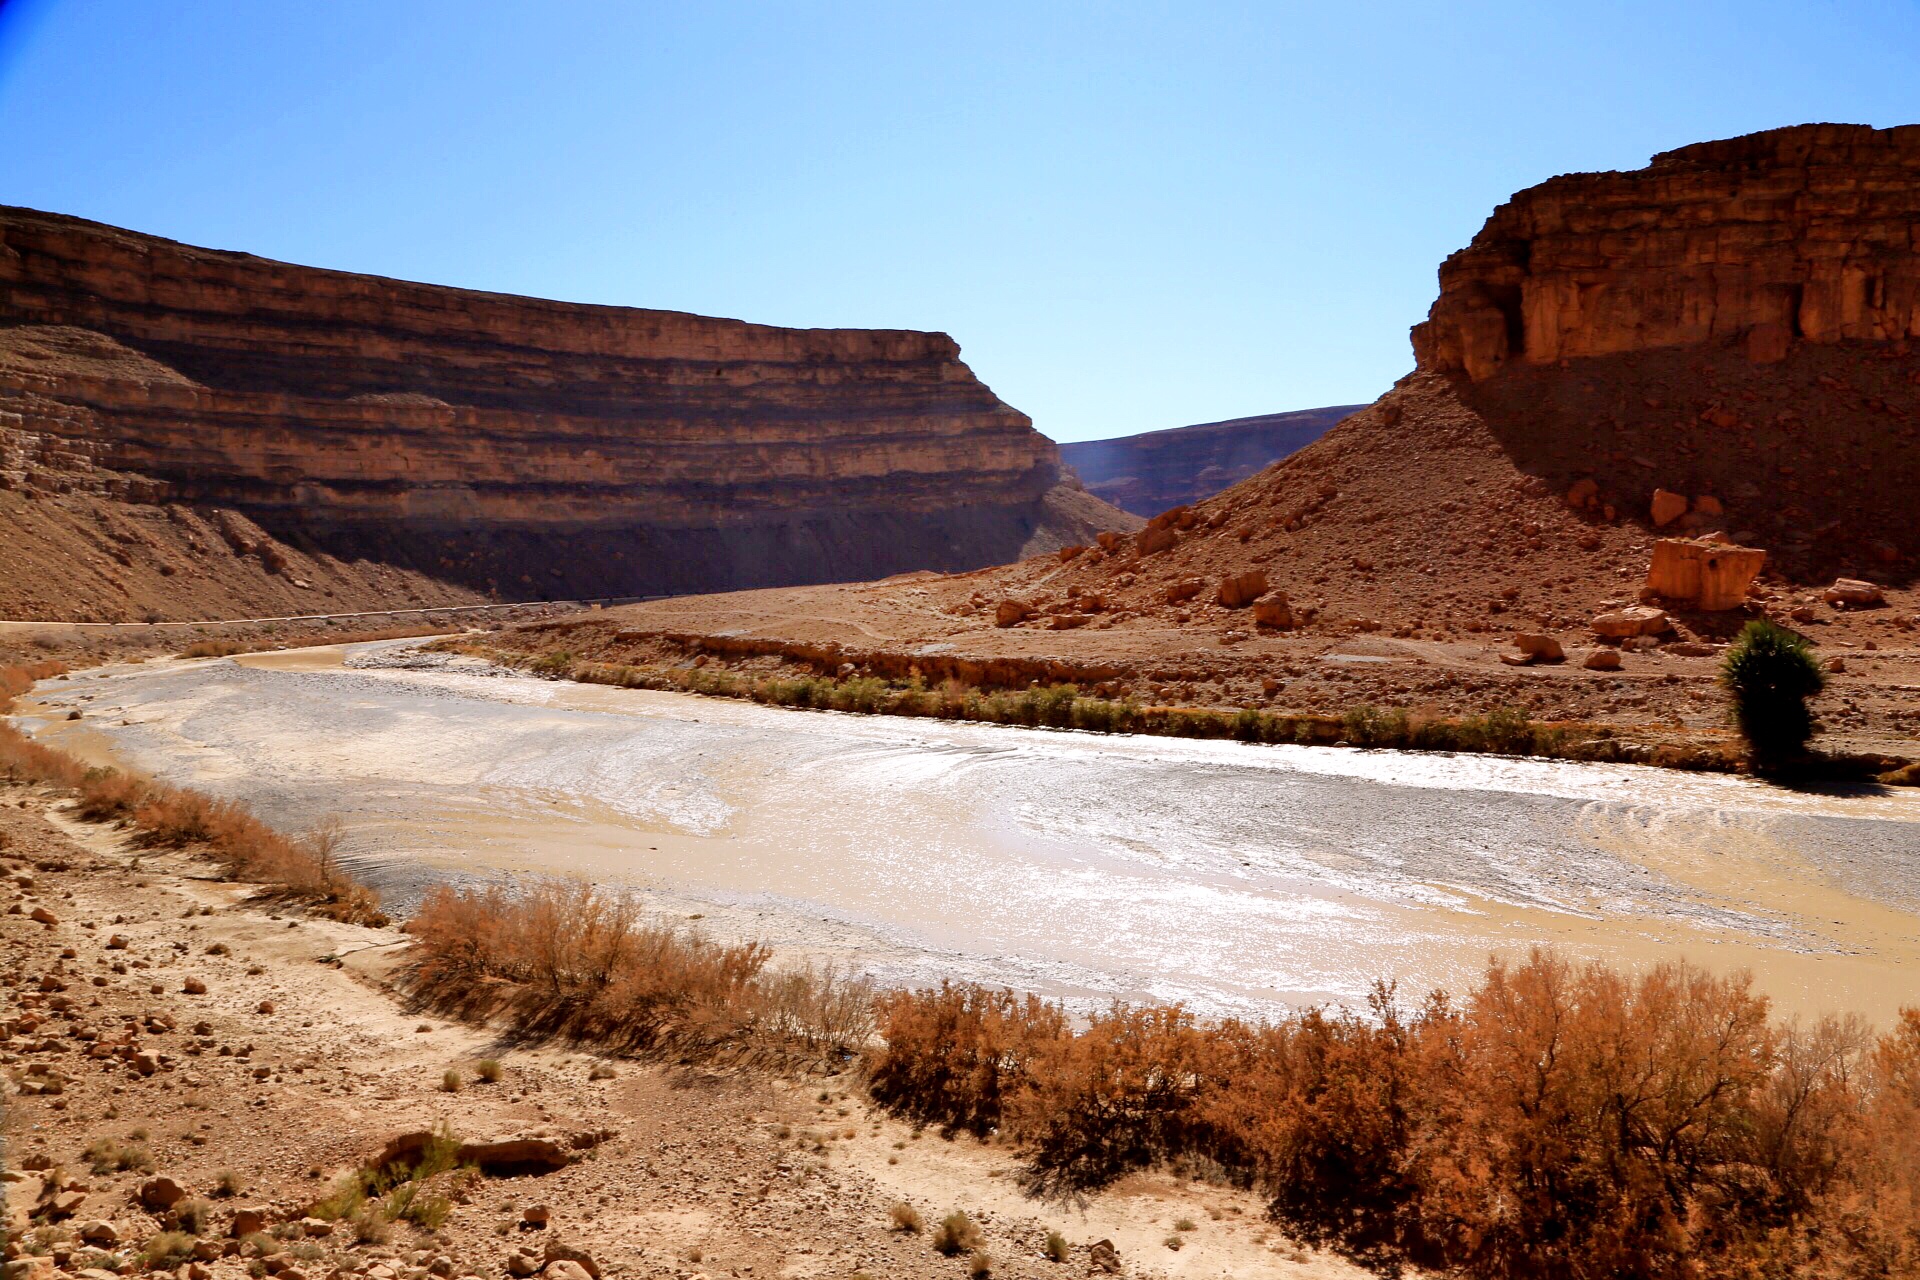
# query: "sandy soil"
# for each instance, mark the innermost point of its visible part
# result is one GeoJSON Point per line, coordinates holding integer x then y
{"type": "Point", "coordinates": [297, 1063]}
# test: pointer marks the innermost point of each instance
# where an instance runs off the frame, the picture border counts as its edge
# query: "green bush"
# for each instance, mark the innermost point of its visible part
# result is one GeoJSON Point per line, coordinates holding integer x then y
{"type": "Point", "coordinates": [1770, 673]}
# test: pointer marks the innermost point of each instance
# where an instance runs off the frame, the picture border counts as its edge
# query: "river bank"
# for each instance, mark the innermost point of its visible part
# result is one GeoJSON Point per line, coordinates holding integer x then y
{"type": "Point", "coordinates": [1087, 867]}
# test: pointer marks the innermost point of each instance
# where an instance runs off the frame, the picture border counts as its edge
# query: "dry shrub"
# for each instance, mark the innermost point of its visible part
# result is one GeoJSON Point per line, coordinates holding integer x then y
{"type": "Point", "coordinates": [212, 649]}
{"type": "Point", "coordinates": [957, 1233]}
{"type": "Point", "coordinates": [20, 677]}
{"type": "Point", "coordinates": [952, 1052]}
{"type": "Point", "coordinates": [24, 760]}
{"type": "Point", "coordinates": [1561, 1120]}
{"type": "Point", "coordinates": [306, 867]}
{"type": "Point", "coordinates": [563, 959]}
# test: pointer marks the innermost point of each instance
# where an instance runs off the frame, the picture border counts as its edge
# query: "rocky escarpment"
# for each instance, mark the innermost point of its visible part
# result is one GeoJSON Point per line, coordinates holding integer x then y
{"type": "Point", "coordinates": [1150, 472]}
{"type": "Point", "coordinates": [1513, 492]}
{"type": "Point", "coordinates": [1800, 233]}
{"type": "Point", "coordinates": [531, 447]}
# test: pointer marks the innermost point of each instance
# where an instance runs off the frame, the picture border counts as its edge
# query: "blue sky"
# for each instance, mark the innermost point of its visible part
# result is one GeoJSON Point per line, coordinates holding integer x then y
{"type": "Point", "coordinates": [1131, 216]}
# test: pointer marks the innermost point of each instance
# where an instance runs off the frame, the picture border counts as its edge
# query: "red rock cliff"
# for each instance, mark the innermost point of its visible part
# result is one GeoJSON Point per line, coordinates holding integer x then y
{"type": "Point", "coordinates": [531, 445]}
{"type": "Point", "coordinates": [1803, 233]}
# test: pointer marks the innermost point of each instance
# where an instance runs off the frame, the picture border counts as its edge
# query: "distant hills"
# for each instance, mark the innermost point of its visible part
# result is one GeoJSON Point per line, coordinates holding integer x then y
{"type": "Point", "coordinates": [1148, 473]}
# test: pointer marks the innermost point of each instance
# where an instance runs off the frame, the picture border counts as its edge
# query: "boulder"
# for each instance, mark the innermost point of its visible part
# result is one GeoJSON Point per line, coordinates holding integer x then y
{"type": "Point", "coordinates": [1184, 589]}
{"type": "Point", "coordinates": [1667, 507]}
{"type": "Point", "coordinates": [521, 1264]}
{"type": "Point", "coordinates": [1583, 493]}
{"type": "Point", "coordinates": [101, 1232]}
{"type": "Point", "coordinates": [1154, 539]}
{"type": "Point", "coordinates": [161, 1193]}
{"type": "Point", "coordinates": [566, 1269]}
{"type": "Point", "coordinates": [248, 1220]}
{"type": "Point", "coordinates": [1539, 646]}
{"type": "Point", "coordinates": [1634, 620]}
{"type": "Point", "coordinates": [65, 1204]}
{"type": "Point", "coordinates": [1602, 660]}
{"type": "Point", "coordinates": [1703, 572]}
{"type": "Point", "coordinates": [537, 1215]}
{"type": "Point", "coordinates": [1273, 610]}
{"type": "Point", "coordinates": [557, 1251]}
{"type": "Point", "coordinates": [1854, 593]}
{"type": "Point", "coordinates": [1104, 1257]}
{"type": "Point", "coordinates": [1241, 589]}
{"type": "Point", "coordinates": [1011, 613]}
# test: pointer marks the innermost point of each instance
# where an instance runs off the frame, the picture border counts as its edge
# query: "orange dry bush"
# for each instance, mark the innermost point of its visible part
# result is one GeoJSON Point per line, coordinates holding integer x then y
{"type": "Point", "coordinates": [563, 959]}
{"type": "Point", "coordinates": [951, 1053]}
{"type": "Point", "coordinates": [107, 795]}
{"type": "Point", "coordinates": [24, 760]}
{"type": "Point", "coordinates": [1117, 1096]}
{"type": "Point", "coordinates": [1561, 1120]}
{"type": "Point", "coordinates": [212, 649]}
{"type": "Point", "coordinates": [16, 680]}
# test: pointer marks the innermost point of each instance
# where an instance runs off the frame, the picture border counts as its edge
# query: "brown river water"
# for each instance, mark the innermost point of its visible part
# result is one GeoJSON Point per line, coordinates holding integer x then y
{"type": "Point", "coordinates": [1235, 878]}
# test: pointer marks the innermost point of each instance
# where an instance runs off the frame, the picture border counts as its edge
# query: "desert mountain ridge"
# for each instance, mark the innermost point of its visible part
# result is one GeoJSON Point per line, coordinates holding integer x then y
{"type": "Point", "coordinates": [364, 434]}
{"type": "Point", "coordinates": [1149, 472]}
{"type": "Point", "coordinates": [1718, 344]}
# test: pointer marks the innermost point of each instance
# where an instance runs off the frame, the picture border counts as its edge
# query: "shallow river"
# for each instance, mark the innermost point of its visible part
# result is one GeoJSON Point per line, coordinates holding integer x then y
{"type": "Point", "coordinates": [1233, 877]}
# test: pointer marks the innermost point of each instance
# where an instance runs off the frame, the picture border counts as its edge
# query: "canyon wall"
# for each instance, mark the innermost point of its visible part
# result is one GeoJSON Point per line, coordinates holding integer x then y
{"type": "Point", "coordinates": [1150, 472]}
{"type": "Point", "coordinates": [530, 447]}
{"type": "Point", "coordinates": [1803, 233]}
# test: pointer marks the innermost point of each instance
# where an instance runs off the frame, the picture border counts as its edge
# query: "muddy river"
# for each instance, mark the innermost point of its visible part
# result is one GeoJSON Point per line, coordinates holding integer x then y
{"type": "Point", "coordinates": [1090, 867]}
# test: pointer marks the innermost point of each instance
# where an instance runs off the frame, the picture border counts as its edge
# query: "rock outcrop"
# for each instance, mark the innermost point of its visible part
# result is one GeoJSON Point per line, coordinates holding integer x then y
{"type": "Point", "coordinates": [1148, 473]}
{"type": "Point", "coordinates": [1798, 233]}
{"type": "Point", "coordinates": [1703, 572]}
{"type": "Point", "coordinates": [531, 447]}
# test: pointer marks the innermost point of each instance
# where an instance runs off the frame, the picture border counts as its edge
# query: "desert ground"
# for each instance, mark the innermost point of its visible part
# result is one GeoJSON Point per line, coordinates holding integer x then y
{"type": "Point", "coordinates": [204, 1036]}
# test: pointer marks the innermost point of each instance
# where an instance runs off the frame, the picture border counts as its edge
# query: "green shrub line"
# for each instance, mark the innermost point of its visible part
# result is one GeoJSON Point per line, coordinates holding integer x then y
{"type": "Point", "coordinates": [1502, 731]}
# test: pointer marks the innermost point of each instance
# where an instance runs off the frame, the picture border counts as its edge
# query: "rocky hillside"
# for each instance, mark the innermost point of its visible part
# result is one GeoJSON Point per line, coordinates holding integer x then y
{"type": "Point", "coordinates": [1720, 343]}
{"type": "Point", "coordinates": [1148, 473]}
{"type": "Point", "coordinates": [494, 443]}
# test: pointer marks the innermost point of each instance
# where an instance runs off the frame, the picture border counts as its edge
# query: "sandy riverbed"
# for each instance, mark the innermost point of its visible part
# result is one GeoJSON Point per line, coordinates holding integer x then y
{"type": "Point", "coordinates": [1085, 866]}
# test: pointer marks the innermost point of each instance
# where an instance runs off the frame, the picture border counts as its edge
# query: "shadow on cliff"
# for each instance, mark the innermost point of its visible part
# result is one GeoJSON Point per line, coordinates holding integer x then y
{"type": "Point", "coordinates": [535, 563]}
{"type": "Point", "coordinates": [1813, 457]}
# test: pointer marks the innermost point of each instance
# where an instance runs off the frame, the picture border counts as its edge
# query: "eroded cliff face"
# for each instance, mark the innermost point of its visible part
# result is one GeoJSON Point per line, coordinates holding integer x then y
{"type": "Point", "coordinates": [1804, 233]}
{"type": "Point", "coordinates": [533, 447]}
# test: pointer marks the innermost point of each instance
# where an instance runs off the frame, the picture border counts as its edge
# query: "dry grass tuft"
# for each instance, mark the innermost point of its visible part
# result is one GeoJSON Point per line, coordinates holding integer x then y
{"type": "Point", "coordinates": [957, 1233]}
{"type": "Point", "coordinates": [563, 959]}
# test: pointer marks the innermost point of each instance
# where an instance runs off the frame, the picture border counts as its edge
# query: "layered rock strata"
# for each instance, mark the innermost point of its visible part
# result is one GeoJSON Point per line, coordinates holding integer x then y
{"type": "Point", "coordinates": [534, 447]}
{"type": "Point", "coordinates": [1805, 233]}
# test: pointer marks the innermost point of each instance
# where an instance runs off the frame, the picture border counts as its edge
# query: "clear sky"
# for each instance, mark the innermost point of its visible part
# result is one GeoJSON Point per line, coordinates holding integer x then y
{"type": "Point", "coordinates": [1131, 216]}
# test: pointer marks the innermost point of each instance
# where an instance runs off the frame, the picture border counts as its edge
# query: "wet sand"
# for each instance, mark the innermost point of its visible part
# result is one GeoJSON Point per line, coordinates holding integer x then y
{"type": "Point", "coordinates": [1091, 867]}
